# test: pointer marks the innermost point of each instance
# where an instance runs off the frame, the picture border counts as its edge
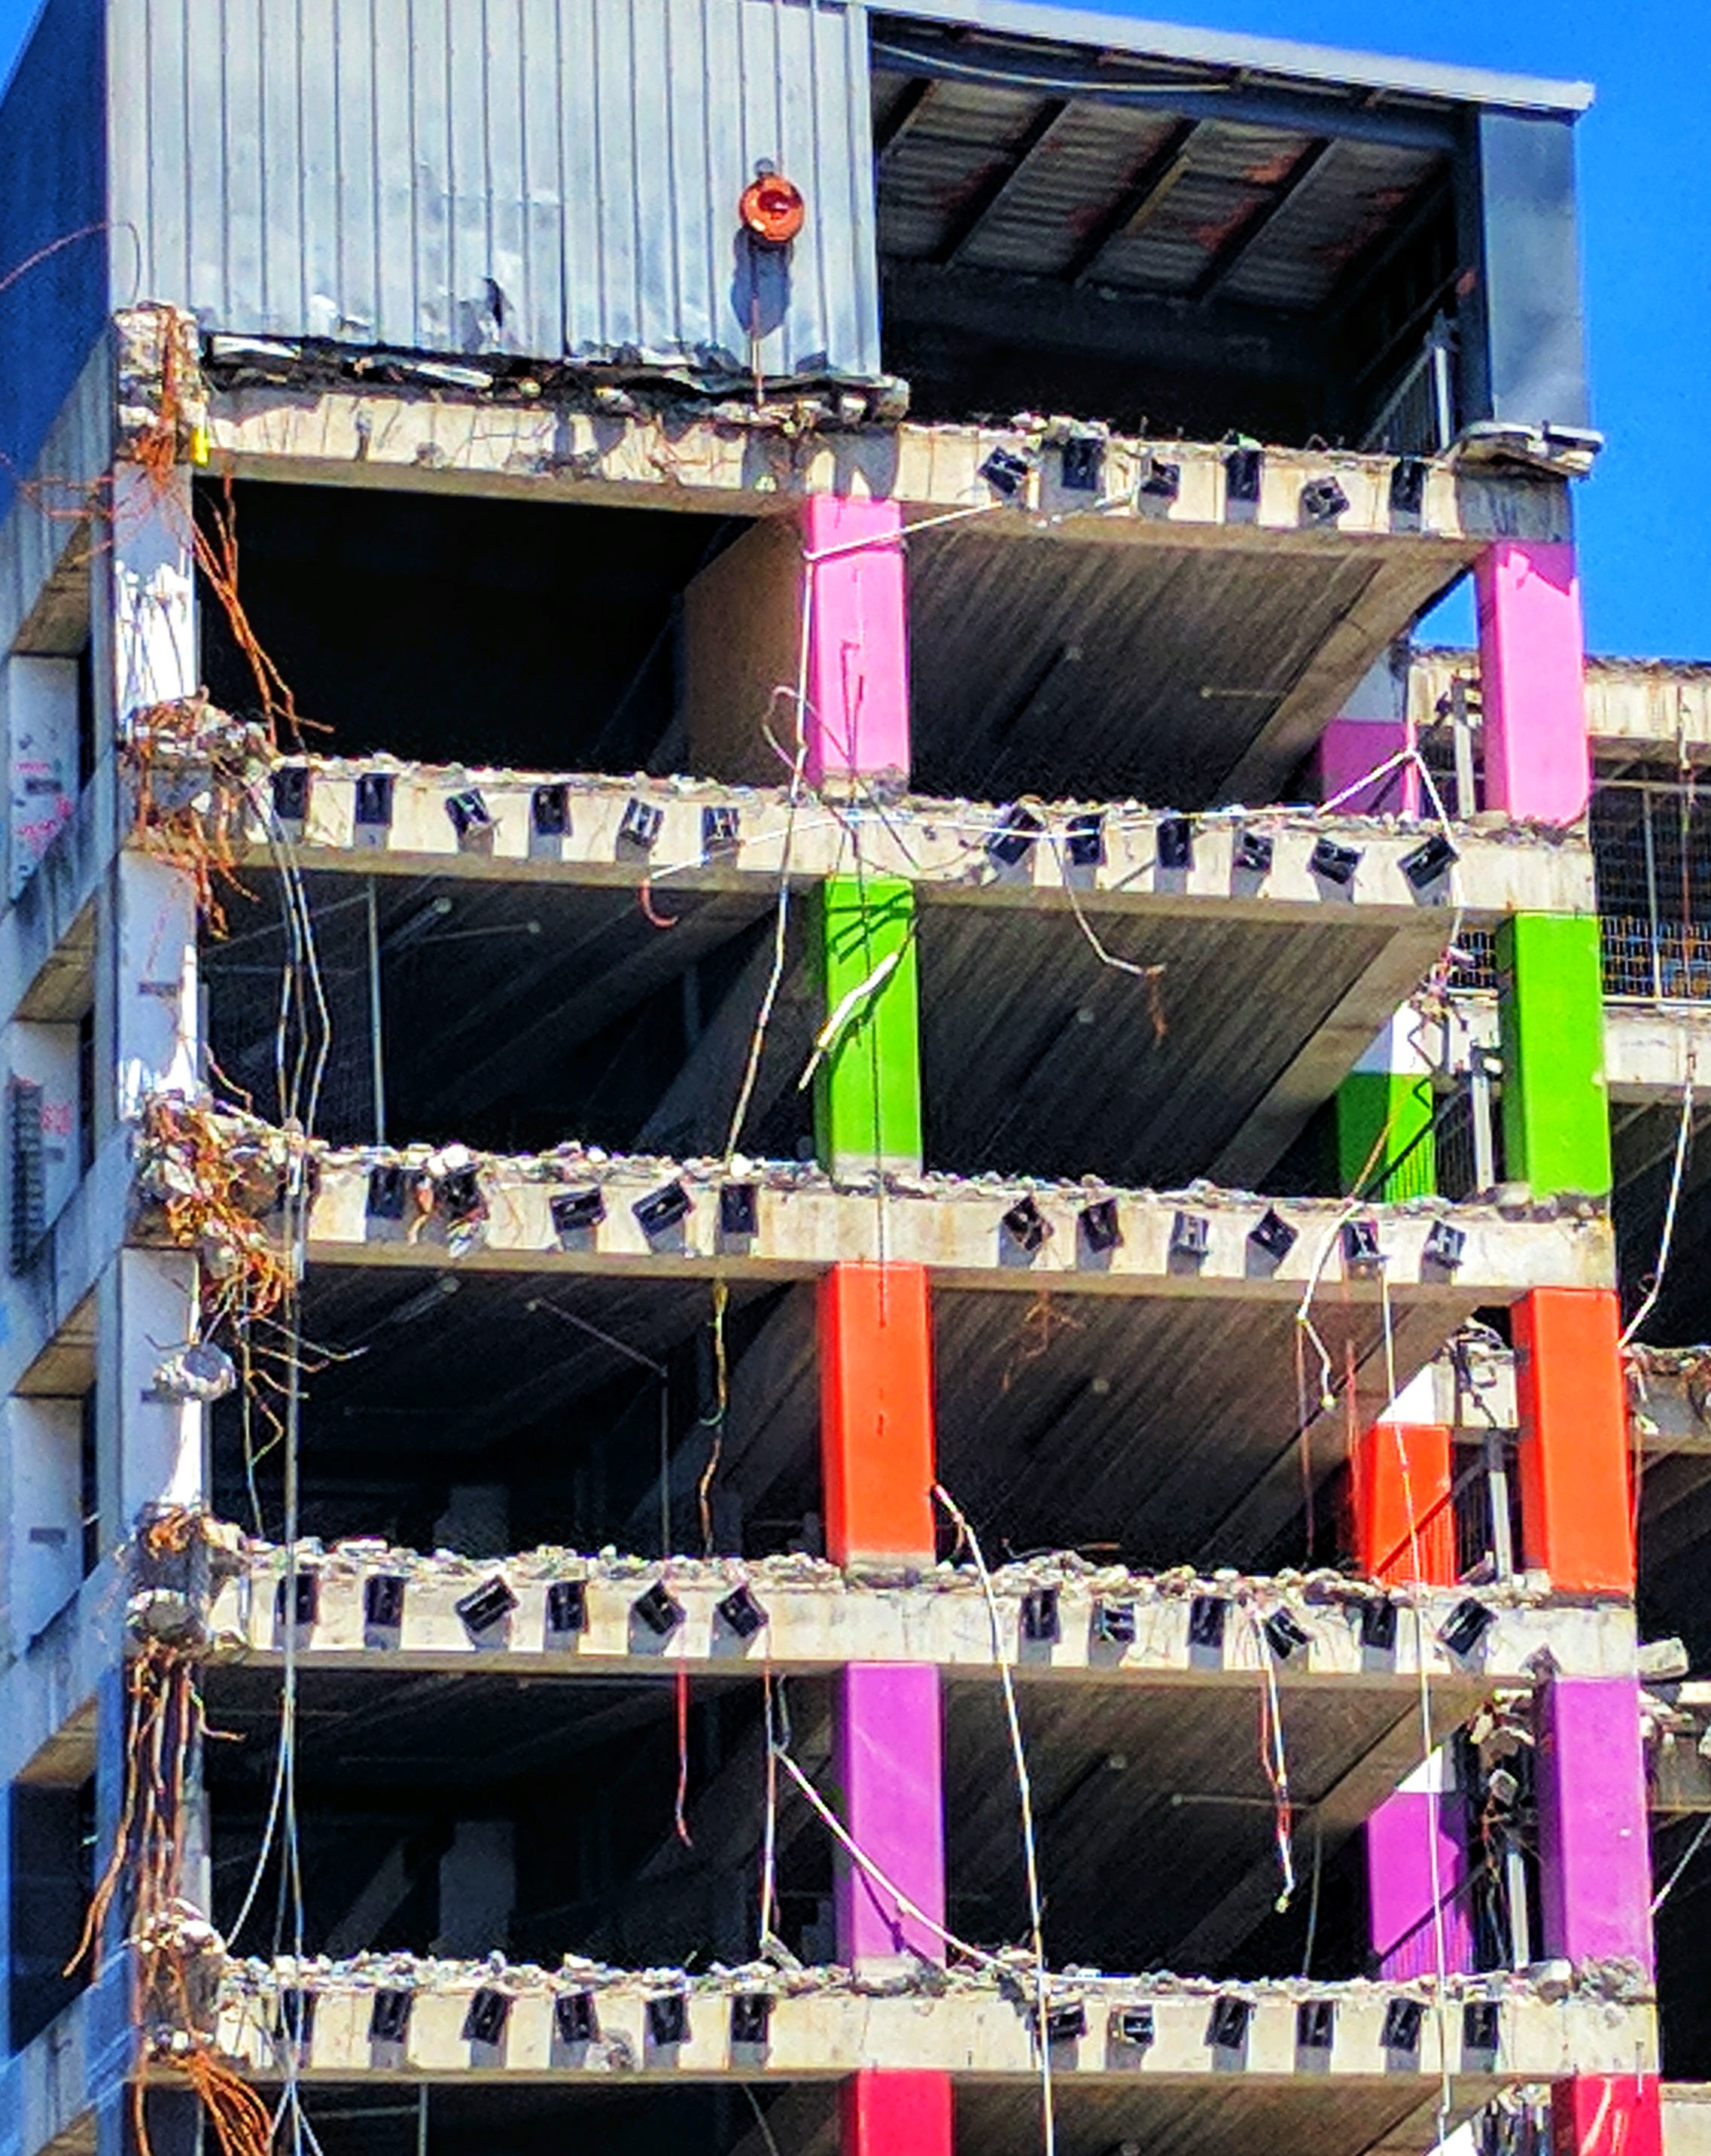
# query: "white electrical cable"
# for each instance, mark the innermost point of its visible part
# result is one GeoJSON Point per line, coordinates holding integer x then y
{"type": "Point", "coordinates": [1434, 1867]}
{"type": "Point", "coordinates": [1683, 1143]}
{"type": "Point", "coordinates": [1025, 1797]}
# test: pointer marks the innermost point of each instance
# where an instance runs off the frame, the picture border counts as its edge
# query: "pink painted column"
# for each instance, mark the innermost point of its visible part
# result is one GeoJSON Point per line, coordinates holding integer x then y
{"type": "Point", "coordinates": [890, 1767]}
{"type": "Point", "coordinates": [1350, 748]}
{"type": "Point", "coordinates": [1532, 676]}
{"type": "Point", "coordinates": [857, 720]}
{"type": "Point", "coordinates": [1403, 1836]}
{"type": "Point", "coordinates": [1595, 1857]}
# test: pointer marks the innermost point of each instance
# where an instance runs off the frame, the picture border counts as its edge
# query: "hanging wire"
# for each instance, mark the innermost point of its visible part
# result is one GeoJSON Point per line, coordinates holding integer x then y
{"type": "Point", "coordinates": [1025, 1796]}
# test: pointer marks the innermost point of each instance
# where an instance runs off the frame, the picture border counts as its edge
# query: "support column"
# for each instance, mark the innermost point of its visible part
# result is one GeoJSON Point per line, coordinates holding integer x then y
{"type": "Point", "coordinates": [1550, 1012]}
{"type": "Point", "coordinates": [1372, 726]}
{"type": "Point", "coordinates": [906, 2114]}
{"type": "Point", "coordinates": [1416, 1840]}
{"type": "Point", "coordinates": [877, 1431]}
{"type": "Point", "coordinates": [1595, 1863]}
{"type": "Point", "coordinates": [1576, 1503]}
{"type": "Point", "coordinates": [877, 1455]}
{"type": "Point", "coordinates": [1532, 678]}
{"type": "Point", "coordinates": [1607, 2115]}
{"type": "Point", "coordinates": [867, 1100]}
{"type": "Point", "coordinates": [816, 604]}
{"type": "Point", "coordinates": [1385, 1109]}
{"type": "Point", "coordinates": [857, 720]}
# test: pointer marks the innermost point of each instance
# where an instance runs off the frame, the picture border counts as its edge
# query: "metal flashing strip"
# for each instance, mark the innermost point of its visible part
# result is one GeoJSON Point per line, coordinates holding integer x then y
{"type": "Point", "coordinates": [1282, 59]}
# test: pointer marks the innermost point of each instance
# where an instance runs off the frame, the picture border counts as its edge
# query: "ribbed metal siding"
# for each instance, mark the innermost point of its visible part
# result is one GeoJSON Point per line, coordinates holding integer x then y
{"type": "Point", "coordinates": [381, 171]}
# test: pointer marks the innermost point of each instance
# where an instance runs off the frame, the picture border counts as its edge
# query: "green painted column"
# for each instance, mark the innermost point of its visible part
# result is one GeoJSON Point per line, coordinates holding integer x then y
{"type": "Point", "coordinates": [1389, 1091]}
{"type": "Point", "coordinates": [867, 1090]}
{"type": "Point", "coordinates": [1551, 1010]}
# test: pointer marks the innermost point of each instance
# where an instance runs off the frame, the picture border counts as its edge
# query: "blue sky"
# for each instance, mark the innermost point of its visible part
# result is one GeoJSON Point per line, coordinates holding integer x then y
{"type": "Point", "coordinates": [1646, 234]}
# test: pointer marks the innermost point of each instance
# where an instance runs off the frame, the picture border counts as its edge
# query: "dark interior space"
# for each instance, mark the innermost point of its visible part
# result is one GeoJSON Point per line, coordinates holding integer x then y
{"type": "Point", "coordinates": [1128, 666]}
{"type": "Point", "coordinates": [1059, 233]}
{"type": "Point", "coordinates": [361, 2119]}
{"type": "Point", "coordinates": [52, 1876]}
{"type": "Point", "coordinates": [1160, 1431]}
{"type": "Point", "coordinates": [476, 1411]}
{"type": "Point", "coordinates": [461, 1815]}
{"type": "Point", "coordinates": [457, 629]}
{"type": "Point", "coordinates": [484, 1413]}
{"type": "Point", "coordinates": [1151, 1806]}
{"type": "Point", "coordinates": [1675, 1518]}
{"type": "Point", "coordinates": [1683, 1939]}
{"type": "Point", "coordinates": [513, 1015]}
{"type": "Point", "coordinates": [1039, 1058]}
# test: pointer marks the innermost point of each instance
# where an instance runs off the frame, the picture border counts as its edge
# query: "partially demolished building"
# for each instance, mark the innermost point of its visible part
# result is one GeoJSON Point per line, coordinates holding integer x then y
{"type": "Point", "coordinates": [813, 1338]}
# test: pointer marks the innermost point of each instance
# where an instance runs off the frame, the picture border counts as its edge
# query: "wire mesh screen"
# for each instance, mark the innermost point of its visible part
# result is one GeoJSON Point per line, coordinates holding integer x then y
{"type": "Point", "coordinates": [1457, 1174]}
{"type": "Point", "coordinates": [1475, 964]}
{"type": "Point", "coordinates": [1651, 850]}
{"type": "Point", "coordinates": [267, 1026]}
{"type": "Point", "coordinates": [1418, 419]}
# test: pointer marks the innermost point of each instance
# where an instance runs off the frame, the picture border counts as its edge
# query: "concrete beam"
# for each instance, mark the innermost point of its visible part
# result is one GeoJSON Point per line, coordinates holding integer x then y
{"type": "Point", "coordinates": [823, 2028]}
{"type": "Point", "coordinates": [936, 844]}
{"type": "Point", "coordinates": [447, 443]}
{"type": "Point", "coordinates": [806, 1222]}
{"type": "Point", "coordinates": [818, 1618]}
{"type": "Point", "coordinates": [1636, 709]}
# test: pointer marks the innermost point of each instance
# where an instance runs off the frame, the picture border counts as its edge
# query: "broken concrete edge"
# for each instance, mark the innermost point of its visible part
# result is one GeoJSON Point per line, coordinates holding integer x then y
{"type": "Point", "coordinates": [681, 453]}
{"type": "Point", "coordinates": [1058, 1613]}
{"type": "Point", "coordinates": [580, 1208]}
{"type": "Point", "coordinates": [482, 821]}
{"type": "Point", "coordinates": [512, 2020]}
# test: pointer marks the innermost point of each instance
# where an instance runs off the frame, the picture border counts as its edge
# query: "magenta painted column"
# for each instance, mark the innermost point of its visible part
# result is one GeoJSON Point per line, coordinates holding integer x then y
{"type": "Point", "coordinates": [1403, 1835]}
{"type": "Point", "coordinates": [857, 720]}
{"type": "Point", "coordinates": [1532, 678]}
{"type": "Point", "coordinates": [890, 1768]}
{"type": "Point", "coordinates": [1350, 748]}
{"type": "Point", "coordinates": [1595, 1859]}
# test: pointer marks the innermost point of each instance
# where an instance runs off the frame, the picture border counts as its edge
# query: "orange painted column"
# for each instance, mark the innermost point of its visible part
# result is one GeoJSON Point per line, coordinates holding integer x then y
{"type": "Point", "coordinates": [875, 1391]}
{"type": "Point", "coordinates": [1576, 1503]}
{"type": "Point", "coordinates": [1395, 1463]}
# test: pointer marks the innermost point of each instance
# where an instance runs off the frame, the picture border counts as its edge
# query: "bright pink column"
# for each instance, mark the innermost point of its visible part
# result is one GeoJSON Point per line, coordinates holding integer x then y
{"type": "Point", "coordinates": [1350, 748]}
{"type": "Point", "coordinates": [1532, 678]}
{"type": "Point", "coordinates": [1595, 1859]}
{"type": "Point", "coordinates": [890, 1768]}
{"type": "Point", "coordinates": [857, 720]}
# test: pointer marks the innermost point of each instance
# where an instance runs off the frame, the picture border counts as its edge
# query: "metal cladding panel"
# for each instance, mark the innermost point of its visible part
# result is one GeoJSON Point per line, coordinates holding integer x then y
{"type": "Point", "coordinates": [53, 307]}
{"type": "Point", "coordinates": [544, 177]}
{"type": "Point", "coordinates": [1531, 365]}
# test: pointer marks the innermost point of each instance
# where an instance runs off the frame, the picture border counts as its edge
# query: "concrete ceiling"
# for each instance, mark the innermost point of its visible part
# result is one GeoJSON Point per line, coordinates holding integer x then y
{"type": "Point", "coordinates": [1166, 1429]}
{"type": "Point", "coordinates": [1041, 1060]}
{"type": "Point", "coordinates": [1194, 675]}
{"type": "Point", "coordinates": [1151, 1807]}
